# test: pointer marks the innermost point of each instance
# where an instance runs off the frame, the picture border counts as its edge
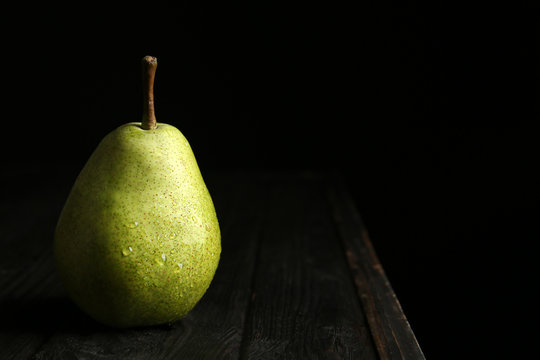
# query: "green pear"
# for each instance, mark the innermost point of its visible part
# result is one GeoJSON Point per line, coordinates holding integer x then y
{"type": "Point", "coordinates": [138, 241]}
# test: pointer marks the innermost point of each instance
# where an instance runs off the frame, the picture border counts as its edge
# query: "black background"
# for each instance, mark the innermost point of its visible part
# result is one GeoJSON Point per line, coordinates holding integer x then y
{"type": "Point", "coordinates": [429, 110]}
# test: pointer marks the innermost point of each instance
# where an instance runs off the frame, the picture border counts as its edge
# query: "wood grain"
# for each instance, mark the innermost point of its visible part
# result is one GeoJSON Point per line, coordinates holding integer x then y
{"type": "Point", "coordinates": [303, 300]}
{"type": "Point", "coordinates": [27, 283]}
{"type": "Point", "coordinates": [390, 329]}
{"type": "Point", "coordinates": [298, 279]}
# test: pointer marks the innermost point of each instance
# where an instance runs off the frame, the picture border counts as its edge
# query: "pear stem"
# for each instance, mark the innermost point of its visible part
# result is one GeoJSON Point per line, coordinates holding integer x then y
{"type": "Point", "coordinates": [149, 65]}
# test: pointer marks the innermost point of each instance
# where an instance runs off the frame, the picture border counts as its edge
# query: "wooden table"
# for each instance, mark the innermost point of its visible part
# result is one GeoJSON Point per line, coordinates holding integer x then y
{"type": "Point", "coordinates": [298, 279]}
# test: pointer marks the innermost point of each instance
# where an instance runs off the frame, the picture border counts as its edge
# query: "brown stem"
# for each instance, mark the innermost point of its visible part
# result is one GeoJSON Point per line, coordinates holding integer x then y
{"type": "Point", "coordinates": [149, 65]}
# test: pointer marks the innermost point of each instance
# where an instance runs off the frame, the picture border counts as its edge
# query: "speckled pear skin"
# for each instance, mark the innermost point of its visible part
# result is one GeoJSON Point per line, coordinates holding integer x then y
{"type": "Point", "coordinates": [138, 241]}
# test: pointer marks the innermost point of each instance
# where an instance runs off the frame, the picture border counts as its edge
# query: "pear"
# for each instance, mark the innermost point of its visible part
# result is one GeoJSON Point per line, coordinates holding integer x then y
{"type": "Point", "coordinates": [138, 241]}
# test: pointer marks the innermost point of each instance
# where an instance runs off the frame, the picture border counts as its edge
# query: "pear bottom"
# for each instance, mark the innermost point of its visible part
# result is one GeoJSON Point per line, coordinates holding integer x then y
{"type": "Point", "coordinates": [142, 294]}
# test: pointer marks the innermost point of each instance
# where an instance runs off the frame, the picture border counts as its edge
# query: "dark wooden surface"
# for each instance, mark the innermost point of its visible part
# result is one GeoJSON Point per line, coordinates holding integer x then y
{"type": "Point", "coordinates": [298, 279]}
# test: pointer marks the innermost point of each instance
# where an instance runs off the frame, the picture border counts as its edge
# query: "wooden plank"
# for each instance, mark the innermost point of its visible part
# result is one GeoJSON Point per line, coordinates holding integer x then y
{"type": "Point", "coordinates": [312, 287]}
{"type": "Point", "coordinates": [26, 275]}
{"type": "Point", "coordinates": [304, 304]}
{"type": "Point", "coordinates": [213, 330]}
{"type": "Point", "coordinates": [391, 331]}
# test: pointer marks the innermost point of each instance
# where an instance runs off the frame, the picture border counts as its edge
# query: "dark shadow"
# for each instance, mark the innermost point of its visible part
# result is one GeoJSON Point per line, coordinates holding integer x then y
{"type": "Point", "coordinates": [50, 315]}
{"type": "Point", "coordinates": [45, 315]}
